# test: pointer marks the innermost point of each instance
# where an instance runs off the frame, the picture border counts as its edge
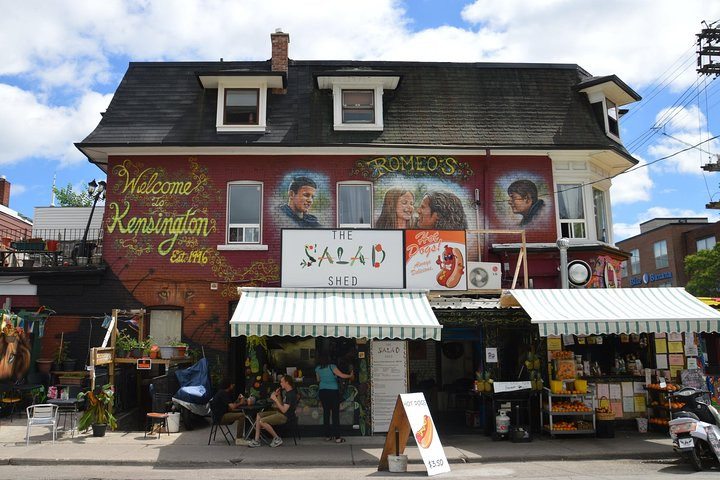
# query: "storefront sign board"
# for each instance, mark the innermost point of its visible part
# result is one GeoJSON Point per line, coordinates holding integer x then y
{"type": "Point", "coordinates": [319, 258]}
{"type": "Point", "coordinates": [388, 367]}
{"type": "Point", "coordinates": [411, 416]}
{"type": "Point", "coordinates": [502, 387]}
{"type": "Point", "coordinates": [436, 259]}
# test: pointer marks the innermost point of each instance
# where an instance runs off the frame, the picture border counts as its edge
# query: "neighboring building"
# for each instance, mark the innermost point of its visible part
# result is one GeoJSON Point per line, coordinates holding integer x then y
{"type": "Point", "coordinates": [657, 254]}
{"type": "Point", "coordinates": [209, 162]}
{"type": "Point", "coordinates": [13, 226]}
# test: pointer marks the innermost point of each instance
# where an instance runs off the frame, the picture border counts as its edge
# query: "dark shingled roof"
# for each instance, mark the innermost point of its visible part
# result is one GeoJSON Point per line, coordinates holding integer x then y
{"type": "Point", "coordinates": [474, 105]}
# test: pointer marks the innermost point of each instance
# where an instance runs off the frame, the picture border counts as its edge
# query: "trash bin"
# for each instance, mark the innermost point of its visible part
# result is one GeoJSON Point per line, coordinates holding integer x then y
{"type": "Point", "coordinates": [173, 422]}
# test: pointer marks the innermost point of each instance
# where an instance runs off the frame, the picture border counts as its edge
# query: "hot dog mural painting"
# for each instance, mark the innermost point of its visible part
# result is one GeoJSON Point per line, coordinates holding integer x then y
{"type": "Point", "coordinates": [435, 259]}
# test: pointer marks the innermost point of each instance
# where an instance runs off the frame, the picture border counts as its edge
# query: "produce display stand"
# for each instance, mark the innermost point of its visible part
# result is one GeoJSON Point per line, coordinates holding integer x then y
{"type": "Point", "coordinates": [565, 410]}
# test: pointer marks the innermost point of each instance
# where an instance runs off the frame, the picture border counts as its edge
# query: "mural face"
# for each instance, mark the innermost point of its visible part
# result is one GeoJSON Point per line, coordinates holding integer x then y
{"type": "Point", "coordinates": [14, 353]}
{"type": "Point", "coordinates": [521, 199]}
{"type": "Point", "coordinates": [301, 199]}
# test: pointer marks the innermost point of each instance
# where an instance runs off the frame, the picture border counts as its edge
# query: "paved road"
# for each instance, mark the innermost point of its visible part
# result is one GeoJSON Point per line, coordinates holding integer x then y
{"type": "Point", "coordinates": [575, 470]}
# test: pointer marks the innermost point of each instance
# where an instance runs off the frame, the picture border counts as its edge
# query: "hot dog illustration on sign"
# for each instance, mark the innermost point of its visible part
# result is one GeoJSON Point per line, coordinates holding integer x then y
{"type": "Point", "coordinates": [451, 267]}
{"type": "Point", "coordinates": [424, 436]}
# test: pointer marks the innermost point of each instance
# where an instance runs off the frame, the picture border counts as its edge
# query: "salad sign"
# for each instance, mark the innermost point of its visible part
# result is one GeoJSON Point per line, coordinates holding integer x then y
{"type": "Point", "coordinates": [318, 258]}
{"type": "Point", "coordinates": [412, 417]}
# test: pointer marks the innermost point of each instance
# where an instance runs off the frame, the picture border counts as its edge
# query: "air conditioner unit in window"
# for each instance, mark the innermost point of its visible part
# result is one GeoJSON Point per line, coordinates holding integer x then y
{"type": "Point", "coordinates": [484, 276]}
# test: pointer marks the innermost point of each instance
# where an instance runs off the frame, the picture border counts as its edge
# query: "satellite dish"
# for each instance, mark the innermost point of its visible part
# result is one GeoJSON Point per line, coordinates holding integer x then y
{"type": "Point", "coordinates": [579, 273]}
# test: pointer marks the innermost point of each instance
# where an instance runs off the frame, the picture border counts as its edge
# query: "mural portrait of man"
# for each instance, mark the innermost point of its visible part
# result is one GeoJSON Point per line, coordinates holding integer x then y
{"type": "Point", "coordinates": [524, 200]}
{"type": "Point", "coordinates": [301, 196]}
{"type": "Point", "coordinates": [441, 211]}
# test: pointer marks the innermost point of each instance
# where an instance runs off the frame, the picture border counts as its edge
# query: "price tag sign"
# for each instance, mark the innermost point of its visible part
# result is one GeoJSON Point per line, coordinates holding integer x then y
{"type": "Point", "coordinates": [662, 382]}
{"type": "Point", "coordinates": [144, 363]}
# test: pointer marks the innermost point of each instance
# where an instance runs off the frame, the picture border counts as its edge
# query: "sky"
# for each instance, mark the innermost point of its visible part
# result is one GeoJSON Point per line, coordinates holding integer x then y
{"type": "Point", "coordinates": [63, 59]}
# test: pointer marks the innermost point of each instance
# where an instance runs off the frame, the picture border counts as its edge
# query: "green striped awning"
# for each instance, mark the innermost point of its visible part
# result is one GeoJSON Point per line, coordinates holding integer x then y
{"type": "Point", "coordinates": [402, 314]}
{"type": "Point", "coordinates": [584, 311]}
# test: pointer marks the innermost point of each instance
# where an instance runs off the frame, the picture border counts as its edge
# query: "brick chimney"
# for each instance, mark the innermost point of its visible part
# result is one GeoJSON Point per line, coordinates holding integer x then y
{"type": "Point", "coordinates": [4, 191]}
{"type": "Point", "coordinates": [279, 61]}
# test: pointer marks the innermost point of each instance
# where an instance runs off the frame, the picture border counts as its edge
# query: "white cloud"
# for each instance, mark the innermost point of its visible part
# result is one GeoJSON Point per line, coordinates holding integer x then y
{"type": "Point", "coordinates": [621, 231]}
{"type": "Point", "coordinates": [632, 186]}
{"type": "Point", "coordinates": [33, 129]}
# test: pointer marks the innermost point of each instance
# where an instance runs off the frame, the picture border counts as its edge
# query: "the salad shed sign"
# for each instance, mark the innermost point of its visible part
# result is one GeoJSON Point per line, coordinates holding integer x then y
{"type": "Point", "coordinates": [319, 258]}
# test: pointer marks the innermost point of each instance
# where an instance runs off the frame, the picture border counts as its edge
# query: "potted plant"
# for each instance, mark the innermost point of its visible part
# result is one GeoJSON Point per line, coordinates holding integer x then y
{"type": "Point", "coordinates": [180, 347]}
{"type": "Point", "coordinates": [123, 344]}
{"type": "Point", "coordinates": [60, 354]}
{"type": "Point", "coordinates": [98, 413]}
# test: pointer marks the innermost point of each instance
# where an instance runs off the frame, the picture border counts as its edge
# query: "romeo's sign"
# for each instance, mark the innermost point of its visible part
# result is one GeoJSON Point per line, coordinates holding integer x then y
{"type": "Point", "coordinates": [318, 258]}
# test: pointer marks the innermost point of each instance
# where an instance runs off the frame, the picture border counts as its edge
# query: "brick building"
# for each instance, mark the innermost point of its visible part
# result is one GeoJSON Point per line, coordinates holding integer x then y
{"type": "Point", "coordinates": [657, 254]}
{"type": "Point", "coordinates": [210, 164]}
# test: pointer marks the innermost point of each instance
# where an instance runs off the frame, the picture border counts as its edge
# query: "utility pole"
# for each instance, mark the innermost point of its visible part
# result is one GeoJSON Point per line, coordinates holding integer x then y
{"type": "Point", "coordinates": [708, 42]}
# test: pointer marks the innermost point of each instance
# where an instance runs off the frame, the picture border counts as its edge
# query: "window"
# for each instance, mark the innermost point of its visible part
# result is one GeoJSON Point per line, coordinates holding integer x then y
{"type": "Point", "coordinates": [634, 261]}
{"type": "Point", "coordinates": [601, 219]}
{"type": "Point", "coordinates": [166, 325]}
{"type": "Point", "coordinates": [707, 243]}
{"type": "Point", "coordinates": [354, 205]}
{"type": "Point", "coordinates": [661, 256]}
{"type": "Point", "coordinates": [241, 106]}
{"type": "Point", "coordinates": [623, 269]}
{"type": "Point", "coordinates": [612, 117]}
{"type": "Point", "coordinates": [358, 106]}
{"type": "Point", "coordinates": [244, 212]}
{"type": "Point", "coordinates": [572, 211]}
{"type": "Point", "coordinates": [358, 101]}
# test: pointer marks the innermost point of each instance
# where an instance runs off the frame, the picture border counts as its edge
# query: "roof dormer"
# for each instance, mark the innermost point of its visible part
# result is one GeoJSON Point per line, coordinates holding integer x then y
{"type": "Point", "coordinates": [606, 95]}
{"type": "Point", "coordinates": [357, 97]}
{"type": "Point", "coordinates": [242, 98]}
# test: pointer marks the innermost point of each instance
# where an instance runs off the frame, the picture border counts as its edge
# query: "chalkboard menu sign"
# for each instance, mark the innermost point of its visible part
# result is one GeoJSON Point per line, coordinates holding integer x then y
{"type": "Point", "coordinates": [388, 367]}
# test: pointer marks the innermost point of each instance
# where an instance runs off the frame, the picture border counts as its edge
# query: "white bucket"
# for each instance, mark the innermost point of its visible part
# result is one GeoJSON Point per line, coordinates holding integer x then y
{"type": "Point", "coordinates": [642, 424]}
{"type": "Point", "coordinates": [397, 463]}
{"type": "Point", "coordinates": [173, 422]}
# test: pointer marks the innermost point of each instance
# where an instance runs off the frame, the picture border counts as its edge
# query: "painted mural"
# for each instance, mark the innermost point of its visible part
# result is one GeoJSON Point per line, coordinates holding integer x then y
{"type": "Point", "coordinates": [522, 199]}
{"type": "Point", "coordinates": [14, 351]}
{"type": "Point", "coordinates": [302, 200]}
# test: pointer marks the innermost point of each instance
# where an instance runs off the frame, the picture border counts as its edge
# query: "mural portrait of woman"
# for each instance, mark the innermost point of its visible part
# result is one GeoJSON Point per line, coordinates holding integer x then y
{"type": "Point", "coordinates": [398, 209]}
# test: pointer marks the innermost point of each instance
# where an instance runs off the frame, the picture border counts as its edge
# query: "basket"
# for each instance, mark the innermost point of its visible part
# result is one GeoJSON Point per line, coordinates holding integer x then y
{"type": "Point", "coordinates": [604, 416]}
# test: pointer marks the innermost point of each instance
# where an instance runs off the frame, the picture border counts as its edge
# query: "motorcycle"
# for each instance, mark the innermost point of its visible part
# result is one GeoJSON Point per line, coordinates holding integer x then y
{"type": "Point", "coordinates": [695, 431]}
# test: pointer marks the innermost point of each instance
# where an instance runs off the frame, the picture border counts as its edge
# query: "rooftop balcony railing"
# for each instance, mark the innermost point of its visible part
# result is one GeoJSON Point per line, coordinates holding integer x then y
{"type": "Point", "coordinates": [49, 248]}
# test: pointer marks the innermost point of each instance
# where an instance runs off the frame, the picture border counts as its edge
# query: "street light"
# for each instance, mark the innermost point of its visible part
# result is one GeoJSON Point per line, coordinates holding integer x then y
{"type": "Point", "coordinates": [96, 190]}
{"type": "Point", "coordinates": [563, 244]}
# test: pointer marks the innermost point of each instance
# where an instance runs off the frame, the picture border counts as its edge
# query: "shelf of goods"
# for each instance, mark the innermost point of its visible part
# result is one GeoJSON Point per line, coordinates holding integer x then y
{"type": "Point", "coordinates": [659, 406]}
{"type": "Point", "coordinates": [568, 413]}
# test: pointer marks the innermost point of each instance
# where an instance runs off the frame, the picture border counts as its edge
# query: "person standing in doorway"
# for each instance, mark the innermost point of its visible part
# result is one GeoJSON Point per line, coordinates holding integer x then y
{"type": "Point", "coordinates": [327, 375]}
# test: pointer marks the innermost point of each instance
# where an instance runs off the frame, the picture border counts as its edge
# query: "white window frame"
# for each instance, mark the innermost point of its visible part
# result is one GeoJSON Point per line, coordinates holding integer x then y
{"type": "Point", "coordinates": [624, 269]}
{"type": "Point", "coordinates": [348, 84]}
{"type": "Point", "coordinates": [607, 105]}
{"type": "Point", "coordinates": [338, 186]}
{"type": "Point", "coordinates": [663, 257]}
{"type": "Point", "coordinates": [605, 214]}
{"type": "Point", "coordinates": [635, 261]}
{"type": "Point", "coordinates": [561, 186]}
{"type": "Point", "coordinates": [243, 245]}
{"type": "Point", "coordinates": [242, 83]}
{"type": "Point", "coordinates": [702, 243]}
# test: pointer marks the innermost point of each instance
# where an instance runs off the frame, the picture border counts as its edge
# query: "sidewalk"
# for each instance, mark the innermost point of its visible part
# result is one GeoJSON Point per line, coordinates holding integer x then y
{"type": "Point", "coordinates": [191, 448]}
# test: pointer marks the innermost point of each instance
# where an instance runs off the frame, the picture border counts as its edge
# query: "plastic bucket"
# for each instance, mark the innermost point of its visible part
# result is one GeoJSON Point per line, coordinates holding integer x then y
{"type": "Point", "coordinates": [642, 424]}
{"type": "Point", "coordinates": [581, 386]}
{"type": "Point", "coordinates": [556, 386]}
{"type": "Point", "coordinates": [397, 463]}
{"type": "Point", "coordinates": [173, 422]}
{"type": "Point", "coordinates": [52, 245]}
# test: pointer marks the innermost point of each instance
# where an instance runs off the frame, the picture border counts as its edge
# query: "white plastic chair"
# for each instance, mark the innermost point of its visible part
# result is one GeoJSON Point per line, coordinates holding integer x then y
{"type": "Point", "coordinates": [43, 414]}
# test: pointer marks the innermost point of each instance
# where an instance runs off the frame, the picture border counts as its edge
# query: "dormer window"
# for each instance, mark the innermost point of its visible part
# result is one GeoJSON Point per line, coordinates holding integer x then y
{"type": "Point", "coordinates": [242, 106]}
{"type": "Point", "coordinates": [242, 98]}
{"type": "Point", "coordinates": [606, 95]}
{"type": "Point", "coordinates": [358, 98]}
{"type": "Point", "coordinates": [358, 106]}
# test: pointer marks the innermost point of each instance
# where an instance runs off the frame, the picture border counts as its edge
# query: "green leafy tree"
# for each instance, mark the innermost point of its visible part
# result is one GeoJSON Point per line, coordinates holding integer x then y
{"type": "Point", "coordinates": [703, 271]}
{"type": "Point", "coordinates": [67, 198]}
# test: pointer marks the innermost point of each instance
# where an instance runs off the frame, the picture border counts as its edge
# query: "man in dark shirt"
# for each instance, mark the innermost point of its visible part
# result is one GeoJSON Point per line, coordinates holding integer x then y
{"type": "Point", "coordinates": [285, 400]}
{"type": "Point", "coordinates": [301, 196]}
{"type": "Point", "coordinates": [222, 404]}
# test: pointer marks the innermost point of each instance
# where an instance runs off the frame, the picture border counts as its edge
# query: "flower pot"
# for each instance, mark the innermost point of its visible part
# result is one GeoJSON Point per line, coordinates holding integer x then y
{"type": "Point", "coordinates": [120, 353]}
{"type": "Point", "coordinates": [43, 365]}
{"type": "Point", "coordinates": [52, 245]}
{"type": "Point", "coordinates": [99, 429]}
{"type": "Point", "coordinates": [167, 352]}
{"type": "Point", "coordinates": [136, 352]}
{"type": "Point", "coordinates": [180, 351]}
{"type": "Point", "coordinates": [69, 365]}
